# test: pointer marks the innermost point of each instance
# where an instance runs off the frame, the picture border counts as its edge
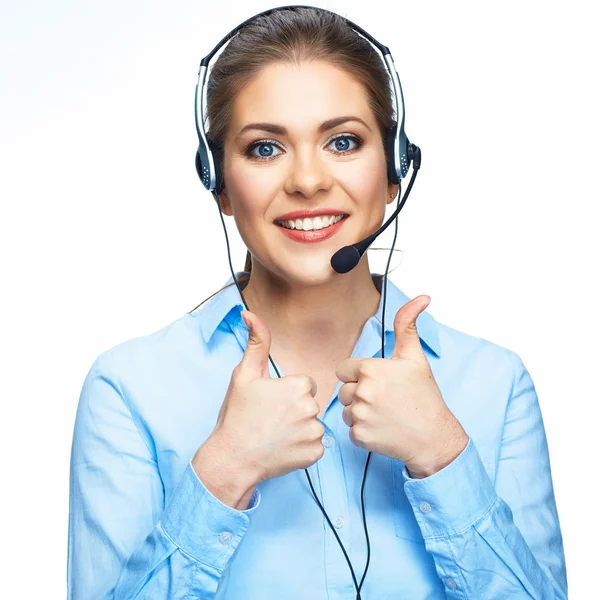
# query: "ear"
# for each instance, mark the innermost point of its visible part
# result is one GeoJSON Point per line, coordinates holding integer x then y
{"type": "Point", "coordinates": [224, 203]}
{"type": "Point", "coordinates": [392, 195]}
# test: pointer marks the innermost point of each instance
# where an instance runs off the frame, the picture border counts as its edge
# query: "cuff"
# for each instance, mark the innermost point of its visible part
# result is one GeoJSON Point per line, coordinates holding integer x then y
{"type": "Point", "coordinates": [451, 500]}
{"type": "Point", "coordinates": [203, 526]}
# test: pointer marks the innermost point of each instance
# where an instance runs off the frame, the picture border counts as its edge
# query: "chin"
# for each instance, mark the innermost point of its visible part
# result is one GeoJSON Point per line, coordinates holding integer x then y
{"type": "Point", "coordinates": [310, 271]}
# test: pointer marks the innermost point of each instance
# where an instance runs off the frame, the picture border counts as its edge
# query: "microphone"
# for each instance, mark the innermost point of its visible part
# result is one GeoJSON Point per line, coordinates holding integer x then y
{"type": "Point", "coordinates": [346, 258]}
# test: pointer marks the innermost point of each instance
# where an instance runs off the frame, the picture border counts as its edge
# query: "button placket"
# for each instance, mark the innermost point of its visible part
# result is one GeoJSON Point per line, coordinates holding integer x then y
{"type": "Point", "coordinates": [335, 503]}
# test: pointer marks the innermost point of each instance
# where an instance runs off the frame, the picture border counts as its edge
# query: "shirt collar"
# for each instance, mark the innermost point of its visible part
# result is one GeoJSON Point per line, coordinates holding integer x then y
{"type": "Point", "coordinates": [219, 306]}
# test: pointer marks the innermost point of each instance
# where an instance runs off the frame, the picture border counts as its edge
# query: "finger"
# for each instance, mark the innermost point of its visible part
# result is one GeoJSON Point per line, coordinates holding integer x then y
{"type": "Point", "coordinates": [346, 393]}
{"type": "Point", "coordinates": [348, 369]}
{"type": "Point", "coordinates": [347, 416]}
{"type": "Point", "coordinates": [256, 354]}
{"type": "Point", "coordinates": [407, 342]}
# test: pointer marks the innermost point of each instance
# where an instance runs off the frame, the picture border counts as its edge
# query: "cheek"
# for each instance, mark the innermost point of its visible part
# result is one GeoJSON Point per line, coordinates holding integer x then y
{"type": "Point", "coordinates": [253, 182]}
{"type": "Point", "coordinates": [252, 187]}
{"type": "Point", "coordinates": [251, 193]}
{"type": "Point", "coordinates": [367, 184]}
{"type": "Point", "coordinates": [365, 181]}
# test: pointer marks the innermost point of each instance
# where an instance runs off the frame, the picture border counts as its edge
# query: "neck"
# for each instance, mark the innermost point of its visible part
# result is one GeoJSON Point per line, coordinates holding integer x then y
{"type": "Point", "coordinates": [319, 319]}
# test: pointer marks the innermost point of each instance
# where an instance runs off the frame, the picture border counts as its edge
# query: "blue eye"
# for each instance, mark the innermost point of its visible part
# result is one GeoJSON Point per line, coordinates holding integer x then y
{"type": "Point", "coordinates": [265, 147]}
{"type": "Point", "coordinates": [341, 143]}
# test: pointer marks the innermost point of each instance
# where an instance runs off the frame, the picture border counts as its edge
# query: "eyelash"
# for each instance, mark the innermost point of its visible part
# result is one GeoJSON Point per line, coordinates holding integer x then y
{"type": "Point", "coordinates": [248, 151]}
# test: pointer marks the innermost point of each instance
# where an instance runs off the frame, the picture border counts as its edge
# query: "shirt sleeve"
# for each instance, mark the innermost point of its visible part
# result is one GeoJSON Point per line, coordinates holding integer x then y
{"type": "Point", "coordinates": [123, 541]}
{"type": "Point", "coordinates": [502, 539]}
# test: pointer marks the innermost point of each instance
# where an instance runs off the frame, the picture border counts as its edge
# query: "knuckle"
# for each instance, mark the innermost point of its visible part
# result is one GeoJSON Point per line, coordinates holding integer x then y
{"type": "Point", "coordinates": [317, 410]}
{"type": "Point", "coordinates": [365, 369]}
{"type": "Point", "coordinates": [312, 408]}
{"type": "Point", "coordinates": [358, 412]}
{"type": "Point", "coordinates": [308, 384]}
{"type": "Point", "coordinates": [319, 430]}
{"type": "Point", "coordinates": [319, 452]}
{"type": "Point", "coordinates": [357, 438]}
{"type": "Point", "coordinates": [362, 390]}
{"type": "Point", "coordinates": [291, 386]}
{"type": "Point", "coordinates": [300, 383]}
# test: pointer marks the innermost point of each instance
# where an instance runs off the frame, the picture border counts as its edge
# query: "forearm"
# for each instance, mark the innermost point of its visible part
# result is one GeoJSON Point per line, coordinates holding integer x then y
{"type": "Point", "coordinates": [224, 475]}
{"type": "Point", "coordinates": [445, 452]}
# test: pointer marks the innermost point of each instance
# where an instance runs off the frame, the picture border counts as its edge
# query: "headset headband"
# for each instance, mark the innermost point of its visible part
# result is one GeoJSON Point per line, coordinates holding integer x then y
{"type": "Point", "coordinates": [208, 156]}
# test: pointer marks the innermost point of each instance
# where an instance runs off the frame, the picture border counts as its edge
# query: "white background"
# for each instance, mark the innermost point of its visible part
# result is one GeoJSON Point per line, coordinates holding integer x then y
{"type": "Point", "coordinates": [106, 232]}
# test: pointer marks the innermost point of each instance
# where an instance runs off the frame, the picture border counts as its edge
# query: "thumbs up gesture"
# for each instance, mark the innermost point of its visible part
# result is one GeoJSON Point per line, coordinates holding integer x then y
{"type": "Point", "coordinates": [394, 406]}
{"type": "Point", "coordinates": [266, 427]}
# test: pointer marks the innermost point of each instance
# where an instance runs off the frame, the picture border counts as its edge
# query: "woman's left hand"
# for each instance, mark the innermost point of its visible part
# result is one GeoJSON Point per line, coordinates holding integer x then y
{"type": "Point", "coordinates": [394, 406]}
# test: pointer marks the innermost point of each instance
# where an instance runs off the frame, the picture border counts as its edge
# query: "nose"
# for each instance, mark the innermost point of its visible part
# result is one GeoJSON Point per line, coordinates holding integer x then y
{"type": "Point", "coordinates": [308, 174]}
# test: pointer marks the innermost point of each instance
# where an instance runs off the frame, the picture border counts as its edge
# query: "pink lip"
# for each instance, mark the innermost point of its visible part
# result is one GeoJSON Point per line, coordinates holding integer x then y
{"type": "Point", "coordinates": [299, 235]}
{"type": "Point", "coordinates": [309, 214]}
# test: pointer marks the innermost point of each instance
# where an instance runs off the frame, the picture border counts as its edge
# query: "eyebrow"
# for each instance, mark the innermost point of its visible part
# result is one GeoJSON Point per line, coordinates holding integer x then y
{"type": "Point", "coordinates": [279, 130]}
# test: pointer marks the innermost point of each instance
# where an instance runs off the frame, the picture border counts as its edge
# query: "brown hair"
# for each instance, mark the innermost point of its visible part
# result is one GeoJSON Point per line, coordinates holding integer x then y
{"type": "Point", "coordinates": [293, 35]}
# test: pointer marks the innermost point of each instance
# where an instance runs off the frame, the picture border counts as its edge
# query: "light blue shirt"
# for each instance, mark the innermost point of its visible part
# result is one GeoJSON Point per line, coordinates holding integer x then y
{"type": "Point", "coordinates": [142, 525]}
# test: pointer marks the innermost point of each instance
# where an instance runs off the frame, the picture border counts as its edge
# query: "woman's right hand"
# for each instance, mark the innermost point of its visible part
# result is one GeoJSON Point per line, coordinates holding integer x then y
{"type": "Point", "coordinates": [269, 424]}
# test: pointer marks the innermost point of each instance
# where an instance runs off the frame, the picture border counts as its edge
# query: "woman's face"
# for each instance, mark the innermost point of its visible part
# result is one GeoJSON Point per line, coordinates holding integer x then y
{"type": "Point", "coordinates": [269, 173]}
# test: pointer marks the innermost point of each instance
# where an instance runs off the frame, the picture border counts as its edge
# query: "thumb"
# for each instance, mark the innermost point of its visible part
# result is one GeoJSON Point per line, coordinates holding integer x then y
{"type": "Point", "coordinates": [256, 355]}
{"type": "Point", "coordinates": [408, 344]}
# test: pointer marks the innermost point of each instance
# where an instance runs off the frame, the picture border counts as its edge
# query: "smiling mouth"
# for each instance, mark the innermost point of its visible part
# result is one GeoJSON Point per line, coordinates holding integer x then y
{"type": "Point", "coordinates": [315, 224]}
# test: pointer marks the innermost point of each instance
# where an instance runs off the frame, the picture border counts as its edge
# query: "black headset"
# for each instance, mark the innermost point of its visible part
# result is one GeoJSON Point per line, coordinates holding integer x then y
{"type": "Point", "coordinates": [400, 153]}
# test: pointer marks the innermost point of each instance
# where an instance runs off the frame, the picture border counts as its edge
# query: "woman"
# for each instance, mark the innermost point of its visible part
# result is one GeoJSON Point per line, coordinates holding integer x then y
{"type": "Point", "coordinates": [188, 458]}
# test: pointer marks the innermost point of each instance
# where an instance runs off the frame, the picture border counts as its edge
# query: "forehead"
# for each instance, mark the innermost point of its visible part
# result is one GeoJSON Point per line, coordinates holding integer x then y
{"type": "Point", "coordinates": [300, 96]}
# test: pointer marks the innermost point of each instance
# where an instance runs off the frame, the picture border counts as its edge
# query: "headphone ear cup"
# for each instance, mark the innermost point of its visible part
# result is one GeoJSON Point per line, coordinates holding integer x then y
{"type": "Point", "coordinates": [203, 165]}
{"type": "Point", "coordinates": [389, 153]}
{"type": "Point", "coordinates": [217, 153]}
{"type": "Point", "coordinates": [199, 164]}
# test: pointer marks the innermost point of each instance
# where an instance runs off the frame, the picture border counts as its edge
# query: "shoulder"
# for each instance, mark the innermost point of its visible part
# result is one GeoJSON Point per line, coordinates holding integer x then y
{"type": "Point", "coordinates": [477, 356]}
{"type": "Point", "coordinates": [151, 354]}
{"type": "Point", "coordinates": [477, 378]}
{"type": "Point", "coordinates": [453, 339]}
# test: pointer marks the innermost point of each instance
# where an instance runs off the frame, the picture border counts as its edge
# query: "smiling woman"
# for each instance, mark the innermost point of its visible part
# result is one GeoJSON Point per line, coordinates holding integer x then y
{"type": "Point", "coordinates": [302, 66]}
{"type": "Point", "coordinates": [335, 165]}
{"type": "Point", "coordinates": [312, 148]}
{"type": "Point", "coordinates": [188, 453]}
{"type": "Point", "coordinates": [325, 94]}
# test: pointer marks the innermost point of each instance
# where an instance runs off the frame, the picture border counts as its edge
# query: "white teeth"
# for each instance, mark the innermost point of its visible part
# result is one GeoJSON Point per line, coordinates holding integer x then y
{"type": "Point", "coordinates": [311, 224]}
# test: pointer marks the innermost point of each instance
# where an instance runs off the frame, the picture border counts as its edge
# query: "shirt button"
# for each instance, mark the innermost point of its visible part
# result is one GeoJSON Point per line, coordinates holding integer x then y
{"type": "Point", "coordinates": [425, 507]}
{"type": "Point", "coordinates": [451, 583]}
{"type": "Point", "coordinates": [327, 441]}
{"type": "Point", "coordinates": [339, 523]}
{"type": "Point", "coordinates": [225, 537]}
